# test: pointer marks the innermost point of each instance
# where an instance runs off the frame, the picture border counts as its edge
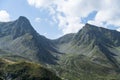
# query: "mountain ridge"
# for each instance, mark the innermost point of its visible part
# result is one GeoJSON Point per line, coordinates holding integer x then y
{"type": "Point", "coordinates": [23, 40]}
{"type": "Point", "coordinates": [76, 54]}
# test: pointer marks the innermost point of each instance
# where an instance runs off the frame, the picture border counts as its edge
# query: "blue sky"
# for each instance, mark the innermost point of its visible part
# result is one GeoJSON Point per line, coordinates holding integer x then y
{"type": "Point", "coordinates": [54, 18]}
{"type": "Point", "coordinates": [17, 8]}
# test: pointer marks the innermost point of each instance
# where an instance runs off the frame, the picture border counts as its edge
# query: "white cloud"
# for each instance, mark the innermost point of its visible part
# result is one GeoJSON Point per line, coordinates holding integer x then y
{"type": "Point", "coordinates": [4, 16]}
{"type": "Point", "coordinates": [118, 29]}
{"type": "Point", "coordinates": [73, 10]}
{"type": "Point", "coordinates": [39, 3]}
{"type": "Point", "coordinates": [69, 24]}
{"type": "Point", "coordinates": [97, 23]}
{"type": "Point", "coordinates": [37, 19]}
{"type": "Point", "coordinates": [45, 33]}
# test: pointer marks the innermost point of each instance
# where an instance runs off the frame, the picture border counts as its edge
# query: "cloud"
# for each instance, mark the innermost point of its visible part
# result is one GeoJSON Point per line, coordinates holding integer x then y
{"type": "Point", "coordinates": [45, 33]}
{"type": "Point", "coordinates": [68, 13]}
{"type": "Point", "coordinates": [39, 3]}
{"type": "Point", "coordinates": [69, 24]}
{"type": "Point", "coordinates": [118, 29]}
{"type": "Point", "coordinates": [4, 16]}
{"type": "Point", "coordinates": [37, 19]}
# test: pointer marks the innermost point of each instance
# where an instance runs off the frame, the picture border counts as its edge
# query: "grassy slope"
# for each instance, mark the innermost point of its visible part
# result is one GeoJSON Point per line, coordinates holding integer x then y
{"type": "Point", "coordinates": [80, 67]}
{"type": "Point", "coordinates": [24, 71]}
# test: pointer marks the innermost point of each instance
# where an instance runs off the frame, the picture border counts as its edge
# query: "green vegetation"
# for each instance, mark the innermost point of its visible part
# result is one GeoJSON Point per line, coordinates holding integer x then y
{"type": "Point", "coordinates": [80, 67]}
{"type": "Point", "coordinates": [24, 71]}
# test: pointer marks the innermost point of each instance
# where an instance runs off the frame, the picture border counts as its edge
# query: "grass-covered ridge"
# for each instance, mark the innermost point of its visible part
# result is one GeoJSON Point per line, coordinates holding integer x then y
{"type": "Point", "coordinates": [24, 71]}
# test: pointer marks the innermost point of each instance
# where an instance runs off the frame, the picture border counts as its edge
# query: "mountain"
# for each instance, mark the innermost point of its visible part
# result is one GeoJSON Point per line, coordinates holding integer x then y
{"type": "Point", "coordinates": [19, 39]}
{"type": "Point", "coordinates": [93, 51]}
{"type": "Point", "coordinates": [102, 40]}
{"type": "Point", "coordinates": [92, 41]}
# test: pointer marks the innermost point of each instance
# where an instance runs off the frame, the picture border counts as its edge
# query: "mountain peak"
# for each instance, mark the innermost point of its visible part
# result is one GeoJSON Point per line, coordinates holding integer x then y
{"type": "Point", "coordinates": [90, 26]}
{"type": "Point", "coordinates": [88, 34]}
{"type": "Point", "coordinates": [87, 24]}
{"type": "Point", "coordinates": [22, 26]}
{"type": "Point", "coordinates": [23, 19]}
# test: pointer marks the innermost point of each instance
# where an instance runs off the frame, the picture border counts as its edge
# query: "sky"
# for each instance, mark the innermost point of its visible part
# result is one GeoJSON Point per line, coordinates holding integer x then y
{"type": "Point", "coordinates": [54, 18]}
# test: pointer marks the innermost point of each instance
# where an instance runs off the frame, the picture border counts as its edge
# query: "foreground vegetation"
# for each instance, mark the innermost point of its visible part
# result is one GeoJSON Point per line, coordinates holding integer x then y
{"type": "Point", "coordinates": [24, 71]}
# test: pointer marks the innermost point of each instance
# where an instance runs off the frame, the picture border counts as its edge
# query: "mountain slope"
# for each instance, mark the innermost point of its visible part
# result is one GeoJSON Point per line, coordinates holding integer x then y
{"type": "Point", "coordinates": [18, 38]}
{"type": "Point", "coordinates": [93, 41]}
{"type": "Point", "coordinates": [93, 50]}
{"type": "Point", "coordinates": [10, 70]}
